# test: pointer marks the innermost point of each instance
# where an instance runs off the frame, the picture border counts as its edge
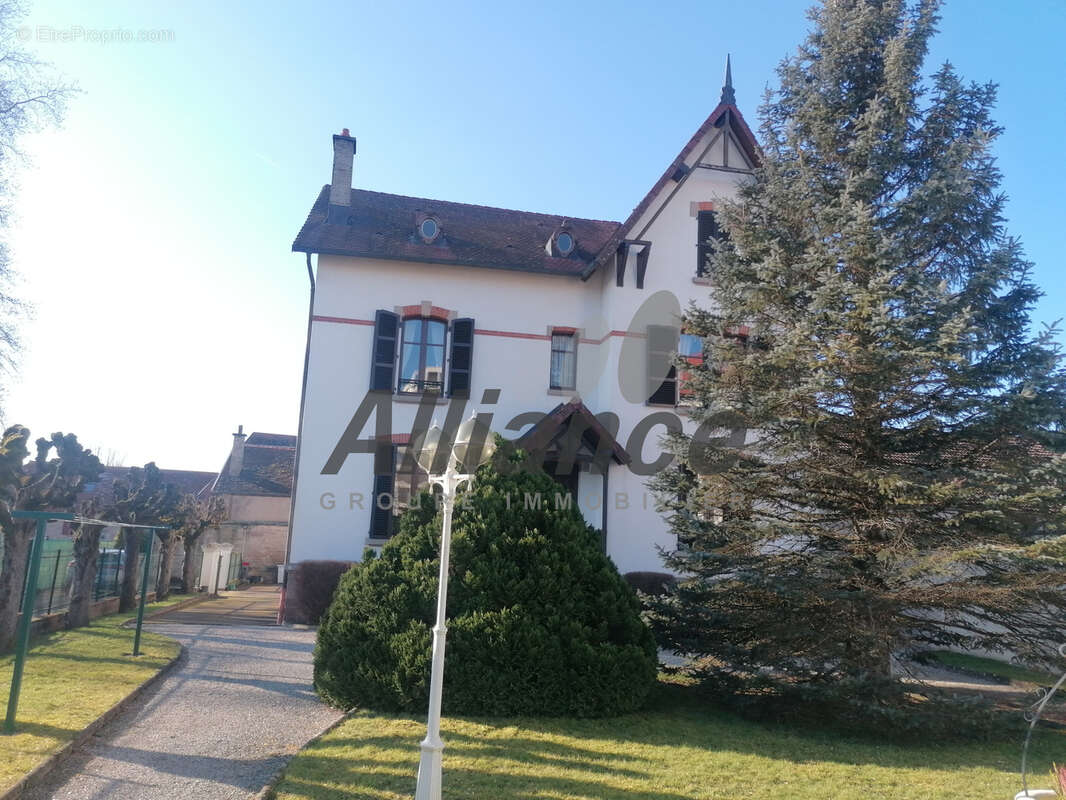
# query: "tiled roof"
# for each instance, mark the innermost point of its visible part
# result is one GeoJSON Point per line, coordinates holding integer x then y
{"type": "Point", "coordinates": [266, 471]}
{"type": "Point", "coordinates": [271, 439]}
{"type": "Point", "coordinates": [556, 423]}
{"type": "Point", "coordinates": [187, 482]}
{"type": "Point", "coordinates": [385, 226]}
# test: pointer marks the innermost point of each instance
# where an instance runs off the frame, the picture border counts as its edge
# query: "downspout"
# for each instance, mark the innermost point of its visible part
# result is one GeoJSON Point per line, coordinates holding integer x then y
{"type": "Point", "coordinates": [299, 438]}
{"type": "Point", "coordinates": [606, 472]}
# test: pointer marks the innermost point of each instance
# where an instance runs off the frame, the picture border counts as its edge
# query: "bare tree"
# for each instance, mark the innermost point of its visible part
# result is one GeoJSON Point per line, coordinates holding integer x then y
{"type": "Point", "coordinates": [86, 540]}
{"type": "Point", "coordinates": [198, 515]}
{"type": "Point", "coordinates": [172, 513]}
{"type": "Point", "coordinates": [142, 497]}
{"type": "Point", "coordinates": [32, 97]}
{"type": "Point", "coordinates": [42, 484]}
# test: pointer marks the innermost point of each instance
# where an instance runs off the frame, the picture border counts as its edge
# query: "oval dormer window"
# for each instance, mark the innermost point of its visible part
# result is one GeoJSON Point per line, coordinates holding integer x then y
{"type": "Point", "coordinates": [429, 229]}
{"type": "Point", "coordinates": [565, 243]}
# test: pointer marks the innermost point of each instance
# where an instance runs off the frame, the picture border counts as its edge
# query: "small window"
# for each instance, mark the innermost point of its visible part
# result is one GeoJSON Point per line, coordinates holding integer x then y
{"type": "Point", "coordinates": [429, 229]}
{"type": "Point", "coordinates": [563, 360]}
{"type": "Point", "coordinates": [707, 234]}
{"type": "Point", "coordinates": [564, 242]}
{"type": "Point", "coordinates": [422, 356]}
{"type": "Point", "coordinates": [662, 373]}
{"type": "Point", "coordinates": [690, 348]}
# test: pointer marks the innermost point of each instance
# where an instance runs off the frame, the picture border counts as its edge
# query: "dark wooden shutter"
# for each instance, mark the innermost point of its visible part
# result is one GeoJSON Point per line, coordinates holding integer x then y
{"type": "Point", "coordinates": [383, 358]}
{"type": "Point", "coordinates": [384, 486]}
{"type": "Point", "coordinates": [662, 373]}
{"type": "Point", "coordinates": [462, 357]}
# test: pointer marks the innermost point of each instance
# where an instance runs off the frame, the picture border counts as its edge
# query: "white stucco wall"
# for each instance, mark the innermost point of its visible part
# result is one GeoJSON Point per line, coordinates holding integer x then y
{"type": "Point", "coordinates": [513, 313]}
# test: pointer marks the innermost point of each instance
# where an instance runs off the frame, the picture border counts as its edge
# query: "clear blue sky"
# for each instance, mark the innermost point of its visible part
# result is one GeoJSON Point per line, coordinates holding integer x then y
{"type": "Point", "coordinates": [154, 228]}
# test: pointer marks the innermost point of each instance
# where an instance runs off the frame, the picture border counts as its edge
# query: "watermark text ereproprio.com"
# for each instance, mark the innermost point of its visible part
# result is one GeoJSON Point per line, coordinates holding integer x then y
{"type": "Point", "coordinates": [77, 34]}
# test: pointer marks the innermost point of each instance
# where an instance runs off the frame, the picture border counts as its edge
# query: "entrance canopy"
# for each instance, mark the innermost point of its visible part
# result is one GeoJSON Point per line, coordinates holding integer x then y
{"type": "Point", "coordinates": [570, 431]}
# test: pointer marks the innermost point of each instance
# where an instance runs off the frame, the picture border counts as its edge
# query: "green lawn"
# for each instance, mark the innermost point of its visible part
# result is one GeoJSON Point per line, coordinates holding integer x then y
{"type": "Point", "coordinates": [677, 753]}
{"type": "Point", "coordinates": [992, 666]}
{"type": "Point", "coordinates": [70, 679]}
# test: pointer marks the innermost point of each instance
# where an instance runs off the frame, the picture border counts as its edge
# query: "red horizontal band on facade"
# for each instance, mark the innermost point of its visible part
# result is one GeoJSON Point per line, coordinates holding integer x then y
{"type": "Point", "coordinates": [343, 320]}
{"type": "Point", "coordinates": [542, 337]}
{"type": "Point", "coordinates": [607, 336]}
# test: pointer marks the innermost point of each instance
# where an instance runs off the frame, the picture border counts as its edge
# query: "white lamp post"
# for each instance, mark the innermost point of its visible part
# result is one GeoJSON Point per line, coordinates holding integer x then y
{"type": "Point", "coordinates": [470, 436]}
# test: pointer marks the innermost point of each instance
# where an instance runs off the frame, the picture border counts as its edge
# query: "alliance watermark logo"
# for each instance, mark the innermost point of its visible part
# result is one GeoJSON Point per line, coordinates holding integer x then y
{"type": "Point", "coordinates": [640, 367]}
{"type": "Point", "coordinates": [559, 501]}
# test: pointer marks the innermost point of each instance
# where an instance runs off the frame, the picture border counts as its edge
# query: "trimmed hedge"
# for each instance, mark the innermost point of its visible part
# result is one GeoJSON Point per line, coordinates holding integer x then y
{"type": "Point", "coordinates": [312, 586]}
{"type": "Point", "coordinates": [540, 621]}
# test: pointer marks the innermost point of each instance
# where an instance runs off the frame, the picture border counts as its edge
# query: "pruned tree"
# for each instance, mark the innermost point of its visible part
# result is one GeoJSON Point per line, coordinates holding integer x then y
{"type": "Point", "coordinates": [13, 453]}
{"type": "Point", "coordinates": [198, 514]}
{"type": "Point", "coordinates": [43, 484]}
{"type": "Point", "coordinates": [903, 461]}
{"type": "Point", "coordinates": [86, 539]}
{"type": "Point", "coordinates": [173, 515]}
{"type": "Point", "coordinates": [31, 98]}
{"type": "Point", "coordinates": [142, 497]}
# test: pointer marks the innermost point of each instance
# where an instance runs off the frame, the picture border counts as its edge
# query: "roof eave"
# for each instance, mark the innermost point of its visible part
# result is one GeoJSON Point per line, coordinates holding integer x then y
{"type": "Point", "coordinates": [326, 251]}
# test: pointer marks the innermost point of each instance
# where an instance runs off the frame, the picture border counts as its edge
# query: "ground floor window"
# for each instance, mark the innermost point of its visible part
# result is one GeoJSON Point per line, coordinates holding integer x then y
{"type": "Point", "coordinates": [395, 491]}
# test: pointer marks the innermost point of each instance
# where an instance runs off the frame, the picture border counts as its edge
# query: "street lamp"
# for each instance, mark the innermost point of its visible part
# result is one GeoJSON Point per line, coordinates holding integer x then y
{"type": "Point", "coordinates": [473, 446]}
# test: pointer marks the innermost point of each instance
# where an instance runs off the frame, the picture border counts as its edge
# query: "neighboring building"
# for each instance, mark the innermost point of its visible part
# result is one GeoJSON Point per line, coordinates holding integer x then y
{"type": "Point", "coordinates": [256, 485]}
{"type": "Point", "coordinates": [423, 302]}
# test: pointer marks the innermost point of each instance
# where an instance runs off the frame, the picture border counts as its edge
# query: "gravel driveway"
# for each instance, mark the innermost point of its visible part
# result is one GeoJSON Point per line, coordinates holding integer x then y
{"type": "Point", "coordinates": [218, 726]}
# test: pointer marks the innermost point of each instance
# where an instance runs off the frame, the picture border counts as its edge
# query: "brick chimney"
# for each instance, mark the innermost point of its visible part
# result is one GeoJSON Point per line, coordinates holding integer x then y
{"type": "Point", "coordinates": [236, 457]}
{"type": "Point", "coordinates": [340, 189]}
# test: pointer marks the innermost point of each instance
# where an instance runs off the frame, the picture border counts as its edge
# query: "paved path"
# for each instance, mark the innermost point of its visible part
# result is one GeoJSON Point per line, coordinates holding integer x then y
{"type": "Point", "coordinates": [217, 727]}
{"type": "Point", "coordinates": [257, 605]}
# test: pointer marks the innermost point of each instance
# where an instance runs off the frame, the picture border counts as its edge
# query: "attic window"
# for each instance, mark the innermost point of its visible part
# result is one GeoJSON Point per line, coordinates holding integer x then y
{"type": "Point", "coordinates": [564, 242]}
{"type": "Point", "coordinates": [429, 229]}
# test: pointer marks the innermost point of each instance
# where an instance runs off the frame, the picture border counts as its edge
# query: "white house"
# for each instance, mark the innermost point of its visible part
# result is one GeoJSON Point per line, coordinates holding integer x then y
{"type": "Point", "coordinates": [424, 309]}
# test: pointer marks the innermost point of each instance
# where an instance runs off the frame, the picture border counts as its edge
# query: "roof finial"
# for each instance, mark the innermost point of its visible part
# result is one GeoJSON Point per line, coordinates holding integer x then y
{"type": "Point", "coordinates": [728, 96]}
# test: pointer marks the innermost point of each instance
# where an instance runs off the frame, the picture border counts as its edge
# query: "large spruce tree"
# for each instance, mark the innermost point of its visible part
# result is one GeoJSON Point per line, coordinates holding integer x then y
{"type": "Point", "coordinates": [901, 475]}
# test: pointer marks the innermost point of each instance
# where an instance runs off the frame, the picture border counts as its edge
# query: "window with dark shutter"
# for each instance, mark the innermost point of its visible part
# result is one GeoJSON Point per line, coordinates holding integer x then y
{"type": "Point", "coordinates": [707, 233]}
{"type": "Point", "coordinates": [383, 500]}
{"type": "Point", "coordinates": [662, 374]}
{"type": "Point", "coordinates": [383, 359]}
{"type": "Point", "coordinates": [462, 357]}
{"type": "Point", "coordinates": [422, 356]}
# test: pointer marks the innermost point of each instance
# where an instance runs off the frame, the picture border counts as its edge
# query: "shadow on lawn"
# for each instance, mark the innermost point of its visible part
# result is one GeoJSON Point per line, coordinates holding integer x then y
{"type": "Point", "coordinates": [678, 718]}
{"type": "Point", "coordinates": [369, 778]}
{"type": "Point", "coordinates": [145, 659]}
{"type": "Point", "coordinates": [45, 731]}
{"type": "Point", "coordinates": [694, 721]}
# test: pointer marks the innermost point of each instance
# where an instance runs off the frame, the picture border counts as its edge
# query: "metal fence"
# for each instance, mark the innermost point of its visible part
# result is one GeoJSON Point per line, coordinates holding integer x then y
{"type": "Point", "coordinates": [56, 576]}
{"type": "Point", "coordinates": [197, 560]}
